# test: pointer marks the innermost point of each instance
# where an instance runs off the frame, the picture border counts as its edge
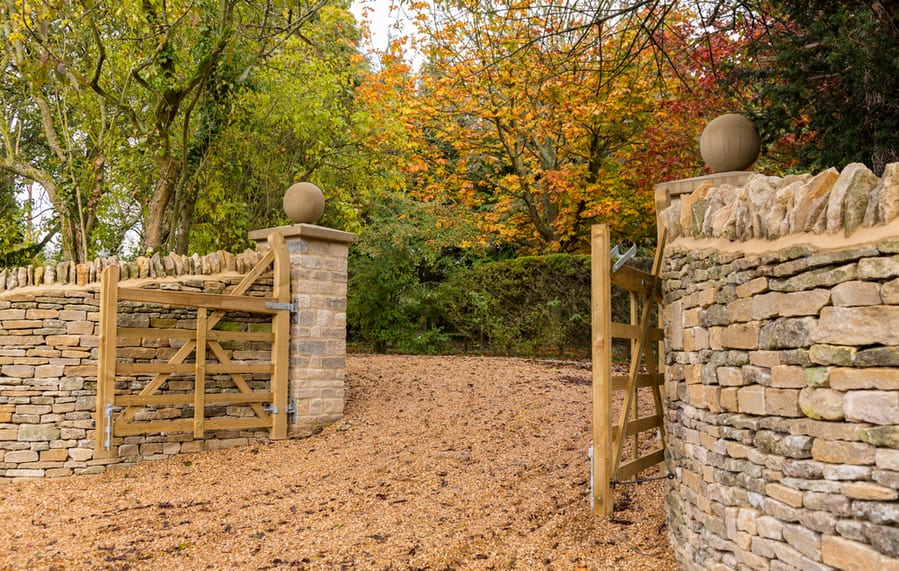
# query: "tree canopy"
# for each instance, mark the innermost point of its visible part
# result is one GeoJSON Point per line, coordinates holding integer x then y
{"type": "Point", "coordinates": [177, 124]}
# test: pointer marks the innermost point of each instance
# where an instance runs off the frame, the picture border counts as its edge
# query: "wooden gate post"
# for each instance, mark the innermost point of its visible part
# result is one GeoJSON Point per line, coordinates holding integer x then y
{"type": "Point", "coordinates": [601, 308]}
{"type": "Point", "coordinates": [109, 298]}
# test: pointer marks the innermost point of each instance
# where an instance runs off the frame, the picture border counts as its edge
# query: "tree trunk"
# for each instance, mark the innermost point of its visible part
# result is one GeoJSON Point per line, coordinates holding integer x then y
{"type": "Point", "coordinates": [154, 234]}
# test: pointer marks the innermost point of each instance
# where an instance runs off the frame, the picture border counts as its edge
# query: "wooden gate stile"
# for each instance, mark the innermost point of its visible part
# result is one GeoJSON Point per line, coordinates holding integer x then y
{"type": "Point", "coordinates": [115, 412]}
{"type": "Point", "coordinates": [645, 370]}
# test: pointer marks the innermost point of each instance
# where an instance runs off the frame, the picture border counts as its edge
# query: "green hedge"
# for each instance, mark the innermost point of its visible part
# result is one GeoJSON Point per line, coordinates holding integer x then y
{"type": "Point", "coordinates": [531, 306]}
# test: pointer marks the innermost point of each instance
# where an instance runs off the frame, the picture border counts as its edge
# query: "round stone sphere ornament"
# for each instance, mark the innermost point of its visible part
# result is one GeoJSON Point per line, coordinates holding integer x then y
{"type": "Point", "coordinates": [304, 203]}
{"type": "Point", "coordinates": [729, 143]}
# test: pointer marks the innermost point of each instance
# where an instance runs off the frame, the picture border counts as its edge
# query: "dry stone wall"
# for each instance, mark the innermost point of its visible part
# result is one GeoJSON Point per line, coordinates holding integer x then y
{"type": "Point", "coordinates": [782, 378]}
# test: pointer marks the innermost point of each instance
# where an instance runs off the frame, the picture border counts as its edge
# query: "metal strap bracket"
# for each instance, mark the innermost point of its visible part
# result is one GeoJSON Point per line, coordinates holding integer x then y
{"type": "Point", "coordinates": [291, 307]}
{"type": "Point", "coordinates": [622, 258]}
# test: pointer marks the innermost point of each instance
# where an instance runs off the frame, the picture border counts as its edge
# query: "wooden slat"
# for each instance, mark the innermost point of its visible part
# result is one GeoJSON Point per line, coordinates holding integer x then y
{"type": "Point", "coordinates": [216, 301]}
{"type": "Point", "coordinates": [627, 331]}
{"type": "Point", "coordinates": [200, 375]}
{"type": "Point", "coordinates": [620, 382]}
{"type": "Point", "coordinates": [132, 428]}
{"type": "Point", "coordinates": [132, 369]}
{"type": "Point", "coordinates": [641, 425]}
{"type": "Point", "coordinates": [106, 365]}
{"type": "Point", "coordinates": [634, 467]}
{"type": "Point", "coordinates": [210, 398]}
{"type": "Point", "coordinates": [213, 334]}
{"type": "Point", "coordinates": [186, 424]}
{"type": "Point", "coordinates": [281, 329]}
{"type": "Point", "coordinates": [600, 311]}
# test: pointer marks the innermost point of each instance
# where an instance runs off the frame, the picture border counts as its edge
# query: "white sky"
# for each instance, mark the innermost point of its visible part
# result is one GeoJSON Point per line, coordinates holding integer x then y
{"type": "Point", "coordinates": [387, 19]}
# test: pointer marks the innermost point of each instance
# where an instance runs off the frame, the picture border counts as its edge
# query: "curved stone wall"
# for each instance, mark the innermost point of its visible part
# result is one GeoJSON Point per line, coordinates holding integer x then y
{"type": "Point", "coordinates": [782, 374]}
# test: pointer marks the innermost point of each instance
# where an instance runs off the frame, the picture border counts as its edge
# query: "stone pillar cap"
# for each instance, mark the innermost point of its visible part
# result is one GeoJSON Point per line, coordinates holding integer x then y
{"type": "Point", "coordinates": [305, 231]}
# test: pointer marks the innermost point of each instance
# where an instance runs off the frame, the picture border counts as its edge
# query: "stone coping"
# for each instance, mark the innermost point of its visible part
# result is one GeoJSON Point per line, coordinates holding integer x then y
{"type": "Point", "coordinates": [306, 231]}
{"type": "Point", "coordinates": [861, 237]}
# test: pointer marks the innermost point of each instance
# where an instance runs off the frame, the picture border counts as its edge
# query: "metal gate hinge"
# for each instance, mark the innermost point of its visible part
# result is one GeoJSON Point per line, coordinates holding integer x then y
{"type": "Point", "coordinates": [289, 409]}
{"type": "Point", "coordinates": [291, 307]}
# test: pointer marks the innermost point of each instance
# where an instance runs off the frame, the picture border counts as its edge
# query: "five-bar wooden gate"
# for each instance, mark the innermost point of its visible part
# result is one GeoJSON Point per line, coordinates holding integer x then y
{"type": "Point", "coordinates": [610, 440]}
{"type": "Point", "coordinates": [115, 412]}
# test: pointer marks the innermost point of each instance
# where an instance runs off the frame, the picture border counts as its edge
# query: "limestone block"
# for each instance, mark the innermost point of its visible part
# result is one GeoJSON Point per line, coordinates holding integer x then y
{"type": "Point", "coordinates": [882, 436]}
{"type": "Point", "coordinates": [856, 293]}
{"type": "Point", "coordinates": [787, 377]}
{"type": "Point", "coordinates": [848, 198]}
{"type": "Point", "coordinates": [841, 355]}
{"type": "Point", "coordinates": [877, 512]}
{"type": "Point", "coordinates": [841, 452]}
{"type": "Point", "coordinates": [740, 310]}
{"type": "Point", "coordinates": [847, 379]}
{"type": "Point", "coordinates": [741, 336]}
{"type": "Point", "coordinates": [822, 403]}
{"type": "Point", "coordinates": [751, 400]}
{"type": "Point", "coordinates": [38, 433]}
{"type": "Point", "coordinates": [782, 209]}
{"type": "Point", "coordinates": [821, 277]}
{"type": "Point", "coordinates": [752, 287]}
{"type": "Point", "coordinates": [887, 459]}
{"type": "Point", "coordinates": [878, 268]}
{"type": "Point", "coordinates": [877, 357]}
{"type": "Point", "coordinates": [876, 407]}
{"type": "Point", "coordinates": [782, 402]}
{"type": "Point", "coordinates": [785, 494]}
{"type": "Point", "coordinates": [868, 491]}
{"type": "Point", "coordinates": [884, 538]}
{"type": "Point", "coordinates": [889, 292]}
{"type": "Point", "coordinates": [787, 333]}
{"type": "Point", "coordinates": [770, 527]}
{"type": "Point", "coordinates": [846, 472]}
{"type": "Point", "coordinates": [872, 325]}
{"type": "Point", "coordinates": [888, 194]}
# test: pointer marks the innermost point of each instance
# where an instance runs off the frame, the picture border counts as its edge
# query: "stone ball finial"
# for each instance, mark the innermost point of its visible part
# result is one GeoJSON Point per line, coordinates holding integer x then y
{"type": "Point", "coordinates": [729, 143]}
{"type": "Point", "coordinates": [304, 203]}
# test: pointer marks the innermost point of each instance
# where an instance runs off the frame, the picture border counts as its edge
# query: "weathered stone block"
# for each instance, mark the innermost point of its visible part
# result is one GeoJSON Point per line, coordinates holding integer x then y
{"type": "Point", "coordinates": [877, 357]}
{"type": "Point", "coordinates": [856, 293]}
{"type": "Point", "coordinates": [876, 407]}
{"type": "Point", "coordinates": [787, 333]}
{"type": "Point", "coordinates": [38, 433]}
{"type": "Point", "coordinates": [846, 379]}
{"type": "Point", "coordinates": [822, 277]}
{"type": "Point", "coordinates": [849, 555]}
{"type": "Point", "coordinates": [882, 436]}
{"type": "Point", "coordinates": [841, 355]}
{"type": "Point", "coordinates": [869, 491]}
{"type": "Point", "coordinates": [741, 336]}
{"type": "Point", "coordinates": [878, 268]}
{"type": "Point", "coordinates": [787, 377]}
{"type": "Point", "coordinates": [873, 325]}
{"type": "Point", "coordinates": [784, 494]}
{"type": "Point", "coordinates": [822, 403]}
{"type": "Point", "coordinates": [803, 540]}
{"type": "Point", "coordinates": [751, 400]}
{"type": "Point", "coordinates": [782, 402]}
{"type": "Point", "coordinates": [841, 452]}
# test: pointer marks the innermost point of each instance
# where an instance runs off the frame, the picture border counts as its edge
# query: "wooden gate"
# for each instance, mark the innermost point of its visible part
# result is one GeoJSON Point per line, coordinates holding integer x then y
{"type": "Point", "coordinates": [610, 462]}
{"type": "Point", "coordinates": [115, 412]}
